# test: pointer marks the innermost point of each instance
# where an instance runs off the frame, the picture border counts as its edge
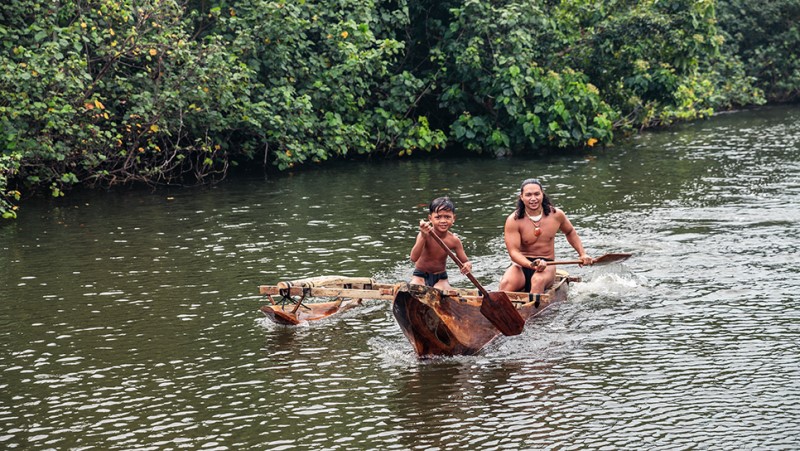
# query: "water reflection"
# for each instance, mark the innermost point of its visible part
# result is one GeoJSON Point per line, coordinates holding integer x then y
{"type": "Point", "coordinates": [130, 319]}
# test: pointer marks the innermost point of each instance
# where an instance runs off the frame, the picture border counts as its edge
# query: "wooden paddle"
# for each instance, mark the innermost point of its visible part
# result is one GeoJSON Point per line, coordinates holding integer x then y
{"type": "Point", "coordinates": [496, 306]}
{"type": "Point", "coordinates": [601, 260]}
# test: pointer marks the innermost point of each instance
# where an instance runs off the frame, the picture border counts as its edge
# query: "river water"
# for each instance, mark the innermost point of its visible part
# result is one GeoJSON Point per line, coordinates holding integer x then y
{"type": "Point", "coordinates": [129, 319]}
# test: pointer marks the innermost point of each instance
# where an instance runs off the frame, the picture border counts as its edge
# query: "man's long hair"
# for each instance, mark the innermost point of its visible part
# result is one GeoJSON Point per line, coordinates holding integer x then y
{"type": "Point", "coordinates": [547, 207]}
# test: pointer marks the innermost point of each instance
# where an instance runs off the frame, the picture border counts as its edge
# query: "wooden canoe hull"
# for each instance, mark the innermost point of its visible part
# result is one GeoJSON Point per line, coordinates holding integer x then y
{"type": "Point", "coordinates": [438, 324]}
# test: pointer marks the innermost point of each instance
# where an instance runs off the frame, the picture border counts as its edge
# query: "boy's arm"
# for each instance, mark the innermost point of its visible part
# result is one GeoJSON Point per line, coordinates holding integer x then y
{"type": "Point", "coordinates": [419, 245]}
{"type": "Point", "coordinates": [462, 256]}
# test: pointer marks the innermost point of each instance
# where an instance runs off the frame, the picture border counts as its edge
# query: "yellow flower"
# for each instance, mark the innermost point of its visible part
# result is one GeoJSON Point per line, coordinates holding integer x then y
{"type": "Point", "coordinates": [153, 52]}
{"type": "Point", "coordinates": [344, 35]}
{"type": "Point", "coordinates": [591, 142]}
{"type": "Point", "coordinates": [154, 128]}
{"type": "Point", "coordinates": [83, 25]}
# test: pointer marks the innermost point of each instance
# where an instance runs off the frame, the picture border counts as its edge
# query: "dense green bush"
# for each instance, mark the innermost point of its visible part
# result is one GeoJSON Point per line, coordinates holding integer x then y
{"type": "Point", "coordinates": [103, 92]}
{"type": "Point", "coordinates": [106, 92]}
{"type": "Point", "coordinates": [655, 62]}
{"type": "Point", "coordinates": [499, 91]}
{"type": "Point", "coordinates": [516, 76]}
{"type": "Point", "coordinates": [765, 36]}
{"type": "Point", "coordinates": [327, 84]}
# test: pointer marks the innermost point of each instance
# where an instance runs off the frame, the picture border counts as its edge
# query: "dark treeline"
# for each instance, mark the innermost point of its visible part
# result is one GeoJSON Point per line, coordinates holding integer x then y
{"type": "Point", "coordinates": [102, 92]}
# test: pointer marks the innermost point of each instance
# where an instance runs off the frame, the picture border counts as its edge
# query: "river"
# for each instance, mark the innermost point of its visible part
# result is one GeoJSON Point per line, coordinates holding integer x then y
{"type": "Point", "coordinates": [129, 319]}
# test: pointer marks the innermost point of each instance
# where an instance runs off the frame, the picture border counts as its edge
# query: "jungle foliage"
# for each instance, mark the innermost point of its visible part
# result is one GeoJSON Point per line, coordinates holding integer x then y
{"type": "Point", "coordinates": [102, 92]}
{"type": "Point", "coordinates": [765, 37]}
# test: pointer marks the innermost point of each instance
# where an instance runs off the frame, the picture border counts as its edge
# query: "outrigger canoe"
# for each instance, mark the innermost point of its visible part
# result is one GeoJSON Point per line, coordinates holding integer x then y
{"type": "Point", "coordinates": [443, 324]}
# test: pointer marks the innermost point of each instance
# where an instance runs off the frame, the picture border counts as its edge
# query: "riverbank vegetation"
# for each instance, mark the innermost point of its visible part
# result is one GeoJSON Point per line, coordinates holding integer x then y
{"type": "Point", "coordinates": [104, 92]}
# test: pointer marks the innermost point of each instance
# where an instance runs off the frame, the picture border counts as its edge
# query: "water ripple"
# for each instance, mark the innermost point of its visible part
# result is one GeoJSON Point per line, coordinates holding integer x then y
{"type": "Point", "coordinates": [130, 320]}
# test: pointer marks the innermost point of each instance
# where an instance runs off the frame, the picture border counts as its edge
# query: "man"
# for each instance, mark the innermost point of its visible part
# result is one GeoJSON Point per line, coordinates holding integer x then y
{"type": "Point", "coordinates": [530, 234]}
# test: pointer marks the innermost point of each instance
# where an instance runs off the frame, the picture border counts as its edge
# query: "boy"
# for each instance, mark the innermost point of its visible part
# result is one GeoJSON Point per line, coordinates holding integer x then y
{"type": "Point", "coordinates": [428, 256]}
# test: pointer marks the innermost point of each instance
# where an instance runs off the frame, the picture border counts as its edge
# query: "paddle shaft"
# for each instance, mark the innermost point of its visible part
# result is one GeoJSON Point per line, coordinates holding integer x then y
{"type": "Point", "coordinates": [565, 262]}
{"type": "Point", "coordinates": [607, 258]}
{"type": "Point", "coordinates": [496, 306]}
{"type": "Point", "coordinates": [458, 262]}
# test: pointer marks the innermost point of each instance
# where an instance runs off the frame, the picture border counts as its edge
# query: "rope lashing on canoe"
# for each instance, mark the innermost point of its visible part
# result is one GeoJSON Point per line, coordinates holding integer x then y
{"type": "Point", "coordinates": [535, 298]}
{"type": "Point", "coordinates": [300, 301]}
{"type": "Point", "coordinates": [311, 288]}
{"type": "Point", "coordinates": [286, 297]}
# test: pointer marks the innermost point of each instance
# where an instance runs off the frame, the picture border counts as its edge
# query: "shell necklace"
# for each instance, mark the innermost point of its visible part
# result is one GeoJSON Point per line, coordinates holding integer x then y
{"type": "Point", "coordinates": [536, 221]}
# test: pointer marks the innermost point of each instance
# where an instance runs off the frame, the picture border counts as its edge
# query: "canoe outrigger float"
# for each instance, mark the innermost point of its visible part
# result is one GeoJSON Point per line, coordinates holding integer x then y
{"type": "Point", "coordinates": [440, 324]}
{"type": "Point", "coordinates": [348, 292]}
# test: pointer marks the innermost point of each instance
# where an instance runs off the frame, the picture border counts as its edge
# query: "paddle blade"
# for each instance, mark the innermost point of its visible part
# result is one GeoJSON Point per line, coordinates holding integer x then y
{"type": "Point", "coordinates": [611, 258]}
{"type": "Point", "coordinates": [499, 310]}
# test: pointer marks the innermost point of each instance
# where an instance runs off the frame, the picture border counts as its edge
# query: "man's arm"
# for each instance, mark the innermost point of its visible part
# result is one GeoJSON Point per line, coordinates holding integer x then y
{"type": "Point", "coordinates": [575, 241]}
